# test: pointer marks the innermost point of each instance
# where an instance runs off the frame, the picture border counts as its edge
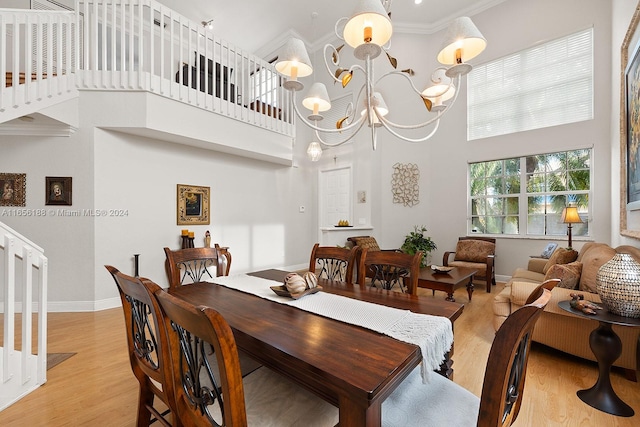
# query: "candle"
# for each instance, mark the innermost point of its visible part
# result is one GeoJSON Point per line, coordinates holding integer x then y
{"type": "Point", "coordinates": [185, 232]}
{"type": "Point", "coordinates": [368, 30]}
{"type": "Point", "coordinates": [191, 234]}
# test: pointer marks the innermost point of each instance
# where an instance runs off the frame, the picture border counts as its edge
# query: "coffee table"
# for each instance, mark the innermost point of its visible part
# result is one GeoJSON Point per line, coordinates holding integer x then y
{"type": "Point", "coordinates": [447, 282]}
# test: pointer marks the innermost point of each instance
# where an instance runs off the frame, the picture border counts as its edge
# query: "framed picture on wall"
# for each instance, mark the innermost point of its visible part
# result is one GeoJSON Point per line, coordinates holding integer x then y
{"type": "Point", "coordinates": [14, 189]}
{"type": "Point", "coordinates": [193, 205]}
{"type": "Point", "coordinates": [630, 131]}
{"type": "Point", "coordinates": [58, 190]}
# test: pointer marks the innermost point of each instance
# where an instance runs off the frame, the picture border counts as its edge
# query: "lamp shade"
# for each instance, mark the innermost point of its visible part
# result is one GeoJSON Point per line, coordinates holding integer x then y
{"type": "Point", "coordinates": [314, 151]}
{"type": "Point", "coordinates": [462, 42]}
{"type": "Point", "coordinates": [293, 59]}
{"type": "Point", "coordinates": [377, 101]}
{"type": "Point", "coordinates": [368, 24]}
{"type": "Point", "coordinates": [570, 215]}
{"type": "Point", "coordinates": [317, 98]}
{"type": "Point", "coordinates": [442, 90]}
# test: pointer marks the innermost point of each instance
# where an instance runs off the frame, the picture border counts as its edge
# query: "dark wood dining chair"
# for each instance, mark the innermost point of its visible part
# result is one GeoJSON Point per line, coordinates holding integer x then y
{"type": "Point", "coordinates": [192, 265]}
{"type": "Point", "coordinates": [386, 269]}
{"type": "Point", "coordinates": [537, 292]}
{"type": "Point", "coordinates": [333, 262]}
{"type": "Point", "coordinates": [215, 394]}
{"type": "Point", "coordinates": [147, 351]}
{"type": "Point", "coordinates": [442, 402]}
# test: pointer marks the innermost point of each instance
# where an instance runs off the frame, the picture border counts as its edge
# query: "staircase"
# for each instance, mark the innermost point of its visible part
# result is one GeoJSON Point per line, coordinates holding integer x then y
{"type": "Point", "coordinates": [23, 281]}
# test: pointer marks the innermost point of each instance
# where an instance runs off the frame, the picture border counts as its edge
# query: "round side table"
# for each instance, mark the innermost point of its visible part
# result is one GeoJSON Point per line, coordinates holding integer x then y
{"type": "Point", "coordinates": [607, 347]}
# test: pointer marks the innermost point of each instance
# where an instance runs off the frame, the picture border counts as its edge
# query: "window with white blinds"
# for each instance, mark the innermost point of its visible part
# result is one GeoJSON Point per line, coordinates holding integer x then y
{"type": "Point", "coordinates": [547, 85]}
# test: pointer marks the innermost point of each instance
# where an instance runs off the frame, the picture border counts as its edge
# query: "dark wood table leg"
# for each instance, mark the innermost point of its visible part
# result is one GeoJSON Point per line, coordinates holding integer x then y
{"type": "Point", "coordinates": [607, 347]}
{"type": "Point", "coordinates": [450, 295]}
{"type": "Point", "coordinates": [470, 287]}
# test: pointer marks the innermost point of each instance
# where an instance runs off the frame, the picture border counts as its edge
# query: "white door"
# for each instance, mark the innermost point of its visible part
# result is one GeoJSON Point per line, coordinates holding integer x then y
{"type": "Point", "coordinates": [335, 196]}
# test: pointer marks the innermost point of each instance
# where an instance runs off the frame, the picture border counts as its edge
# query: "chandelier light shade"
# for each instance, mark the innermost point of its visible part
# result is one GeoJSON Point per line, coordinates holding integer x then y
{"type": "Point", "coordinates": [570, 216]}
{"type": "Point", "coordinates": [314, 151]}
{"type": "Point", "coordinates": [441, 91]}
{"type": "Point", "coordinates": [369, 23]}
{"type": "Point", "coordinates": [317, 100]}
{"type": "Point", "coordinates": [294, 62]}
{"type": "Point", "coordinates": [368, 31]}
{"type": "Point", "coordinates": [381, 106]}
{"type": "Point", "coordinates": [462, 42]}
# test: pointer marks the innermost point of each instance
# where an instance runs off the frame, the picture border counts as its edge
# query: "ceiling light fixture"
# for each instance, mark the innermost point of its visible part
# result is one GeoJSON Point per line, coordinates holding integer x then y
{"type": "Point", "coordinates": [368, 31]}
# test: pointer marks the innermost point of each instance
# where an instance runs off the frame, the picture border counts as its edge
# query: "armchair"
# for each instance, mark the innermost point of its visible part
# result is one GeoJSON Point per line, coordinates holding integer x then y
{"type": "Point", "coordinates": [475, 252]}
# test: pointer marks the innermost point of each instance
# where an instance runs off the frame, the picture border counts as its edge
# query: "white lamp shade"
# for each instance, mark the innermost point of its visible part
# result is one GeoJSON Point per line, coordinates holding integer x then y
{"type": "Point", "coordinates": [442, 88]}
{"type": "Point", "coordinates": [368, 14]}
{"type": "Point", "coordinates": [439, 93]}
{"type": "Point", "coordinates": [463, 36]}
{"type": "Point", "coordinates": [376, 101]}
{"type": "Point", "coordinates": [314, 151]}
{"type": "Point", "coordinates": [293, 59]}
{"type": "Point", "coordinates": [319, 96]}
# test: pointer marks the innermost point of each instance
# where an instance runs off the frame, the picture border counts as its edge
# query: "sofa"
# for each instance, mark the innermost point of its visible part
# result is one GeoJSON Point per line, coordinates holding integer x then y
{"type": "Point", "coordinates": [556, 327]}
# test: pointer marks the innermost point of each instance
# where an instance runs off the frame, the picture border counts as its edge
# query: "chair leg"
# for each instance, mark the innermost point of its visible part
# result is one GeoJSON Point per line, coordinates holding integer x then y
{"type": "Point", "coordinates": [145, 399]}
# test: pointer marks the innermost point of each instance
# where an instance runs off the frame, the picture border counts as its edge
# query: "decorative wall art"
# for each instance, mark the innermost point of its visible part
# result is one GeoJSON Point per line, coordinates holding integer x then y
{"type": "Point", "coordinates": [193, 205]}
{"type": "Point", "coordinates": [58, 190]}
{"type": "Point", "coordinates": [630, 132]}
{"type": "Point", "coordinates": [14, 189]}
{"type": "Point", "coordinates": [404, 184]}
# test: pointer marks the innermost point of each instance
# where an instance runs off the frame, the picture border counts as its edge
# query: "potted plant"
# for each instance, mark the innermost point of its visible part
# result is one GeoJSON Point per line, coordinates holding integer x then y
{"type": "Point", "coordinates": [416, 241]}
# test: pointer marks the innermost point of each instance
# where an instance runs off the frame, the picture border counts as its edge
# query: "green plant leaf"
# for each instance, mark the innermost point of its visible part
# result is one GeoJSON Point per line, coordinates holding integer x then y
{"type": "Point", "coordinates": [416, 241]}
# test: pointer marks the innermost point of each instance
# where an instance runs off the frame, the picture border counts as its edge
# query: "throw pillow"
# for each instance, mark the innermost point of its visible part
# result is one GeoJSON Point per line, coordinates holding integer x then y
{"type": "Point", "coordinates": [560, 256]}
{"type": "Point", "coordinates": [592, 259]}
{"type": "Point", "coordinates": [569, 274]}
{"type": "Point", "coordinates": [367, 242]}
{"type": "Point", "coordinates": [474, 250]}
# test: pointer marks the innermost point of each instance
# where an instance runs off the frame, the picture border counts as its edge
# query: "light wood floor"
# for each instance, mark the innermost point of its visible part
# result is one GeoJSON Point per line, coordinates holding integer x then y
{"type": "Point", "coordinates": [96, 387]}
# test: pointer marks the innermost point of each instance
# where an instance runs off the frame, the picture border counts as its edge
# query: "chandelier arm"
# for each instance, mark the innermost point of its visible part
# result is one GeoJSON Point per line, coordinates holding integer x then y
{"type": "Point", "coordinates": [387, 126]}
{"type": "Point", "coordinates": [317, 128]}
{"type": "Point", "coordinates": [328, 67]}
{"type": "Point", "coordinates": [335, 144]}
{"type": "Point", "coordinates": [335, 27]}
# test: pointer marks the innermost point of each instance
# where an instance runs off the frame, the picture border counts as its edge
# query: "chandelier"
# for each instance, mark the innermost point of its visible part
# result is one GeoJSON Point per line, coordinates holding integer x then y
{"type": "Point", "coordinates": [368, 32]}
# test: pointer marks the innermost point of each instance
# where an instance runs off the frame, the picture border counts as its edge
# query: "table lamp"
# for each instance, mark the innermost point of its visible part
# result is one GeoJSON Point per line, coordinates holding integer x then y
{"type": "Point", "coordinates": [570, 216]}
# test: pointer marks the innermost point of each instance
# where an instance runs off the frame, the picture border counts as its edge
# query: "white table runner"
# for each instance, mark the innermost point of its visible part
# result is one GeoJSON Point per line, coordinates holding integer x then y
{"type": "Point", "coordinates": [433, 334]}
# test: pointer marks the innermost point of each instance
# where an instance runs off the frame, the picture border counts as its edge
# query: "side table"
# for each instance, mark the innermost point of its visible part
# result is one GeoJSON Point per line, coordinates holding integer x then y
{"type": "Point", "coordinates": [607, 347]}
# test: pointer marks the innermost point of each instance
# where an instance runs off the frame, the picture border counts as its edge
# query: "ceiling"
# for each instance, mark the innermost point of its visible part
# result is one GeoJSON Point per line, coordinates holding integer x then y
{"type": "Point", "coordinates": [254, 24]}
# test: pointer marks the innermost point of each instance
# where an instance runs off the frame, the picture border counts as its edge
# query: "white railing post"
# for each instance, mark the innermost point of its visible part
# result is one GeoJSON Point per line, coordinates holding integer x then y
{"type": "Point", "coordinates": [22, 371]}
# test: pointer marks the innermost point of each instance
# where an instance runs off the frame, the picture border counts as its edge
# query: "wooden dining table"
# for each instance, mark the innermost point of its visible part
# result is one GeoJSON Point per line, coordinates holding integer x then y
{"type": "Point", "coordinates": [352, 367]}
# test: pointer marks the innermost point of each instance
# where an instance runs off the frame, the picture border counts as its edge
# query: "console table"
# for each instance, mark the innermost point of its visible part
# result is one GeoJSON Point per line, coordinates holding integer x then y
{"type": "Point", "coordinates": [607, 347]}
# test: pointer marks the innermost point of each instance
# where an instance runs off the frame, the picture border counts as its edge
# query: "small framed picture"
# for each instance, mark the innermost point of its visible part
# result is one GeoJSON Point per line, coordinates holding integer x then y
{"type": "Point", "coordinates": [58, 190]}
{"type": "Point", "coordinates": [548, 250]}
{"type": "Point", "coordinates": [14, 189]}
{"type": "Point", "coordinates": [193, 205]}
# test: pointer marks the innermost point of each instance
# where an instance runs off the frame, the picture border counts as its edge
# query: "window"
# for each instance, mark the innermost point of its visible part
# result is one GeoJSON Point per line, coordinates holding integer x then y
{"type": "Point", "coordinates": [546, 85]}
{"type": "Point", "coordinates": [531, 191]}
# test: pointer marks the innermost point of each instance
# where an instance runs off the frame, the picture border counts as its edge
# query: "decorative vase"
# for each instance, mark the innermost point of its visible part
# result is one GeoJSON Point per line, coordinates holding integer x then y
{"type": "Point", "coordinates": [618, 285]}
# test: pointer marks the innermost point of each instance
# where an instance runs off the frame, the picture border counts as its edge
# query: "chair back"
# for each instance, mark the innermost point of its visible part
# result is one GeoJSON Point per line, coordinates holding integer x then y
{"type": "Point", "coordinates": [537, 292]}
{"type": "Point", "coordinates": [148, 347]}
{"type": "Point", "coordinates": [387, 269]}
{"type": "Point", "coordinates": [193, 265]}
{"type": "Point", "coordinates": [506, 369]}
{"type": "Point", "coordinates": [333, 262]}
{"type": "Point", "coordinates": [205, 394]}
